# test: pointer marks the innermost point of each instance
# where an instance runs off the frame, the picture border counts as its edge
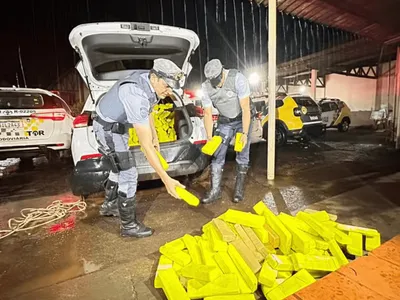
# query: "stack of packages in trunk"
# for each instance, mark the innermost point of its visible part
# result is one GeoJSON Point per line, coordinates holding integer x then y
{"type": "Point", "coordinates": [241, 255]}
{"type": "Point", "coordinates": [164, 119]}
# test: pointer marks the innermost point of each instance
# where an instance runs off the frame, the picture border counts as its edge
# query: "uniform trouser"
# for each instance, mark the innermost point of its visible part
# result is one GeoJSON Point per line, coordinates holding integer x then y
{"type": "Point", "coordinates": [229, 130]}
{"type": "Point", "coordinates": [112, 142]}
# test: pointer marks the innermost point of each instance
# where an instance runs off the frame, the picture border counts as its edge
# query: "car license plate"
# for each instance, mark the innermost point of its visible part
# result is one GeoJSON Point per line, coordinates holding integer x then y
{"type": "Point", "coordinates": [312, 118]}
{"type": "Point", "coordinates": [10, 124]}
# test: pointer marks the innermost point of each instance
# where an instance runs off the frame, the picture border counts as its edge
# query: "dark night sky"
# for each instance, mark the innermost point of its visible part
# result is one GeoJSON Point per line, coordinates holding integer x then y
{"type": "Point", "coordinates": [41, 29]}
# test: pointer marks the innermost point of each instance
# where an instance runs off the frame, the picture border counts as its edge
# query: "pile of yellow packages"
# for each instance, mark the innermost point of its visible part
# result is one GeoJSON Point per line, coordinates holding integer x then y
{"type": "Point", "coordinates": [240, 252]}
{"type": "Point", "coordinates": [164, 119]}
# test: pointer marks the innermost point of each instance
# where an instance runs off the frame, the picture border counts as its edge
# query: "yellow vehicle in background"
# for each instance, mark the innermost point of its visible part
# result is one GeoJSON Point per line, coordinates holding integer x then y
{"type": "Point", "coordinates": [335, 114]}
{"type": "Point", "coordinates": [297, 117]}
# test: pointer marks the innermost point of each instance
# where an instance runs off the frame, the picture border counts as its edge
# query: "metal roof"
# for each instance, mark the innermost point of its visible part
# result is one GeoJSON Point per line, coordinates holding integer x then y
{"type": "Point", "coordinates": [375, 19]}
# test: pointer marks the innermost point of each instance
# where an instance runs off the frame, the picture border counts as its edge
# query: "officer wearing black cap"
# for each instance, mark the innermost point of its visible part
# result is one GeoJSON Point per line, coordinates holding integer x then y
{"type": "Point", "coordinates": [229, 92]}
{"type": "Point", "coordinates": [128, 104]}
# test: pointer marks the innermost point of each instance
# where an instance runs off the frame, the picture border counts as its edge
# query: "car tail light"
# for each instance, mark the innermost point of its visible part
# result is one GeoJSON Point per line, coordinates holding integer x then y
{"type": "Point", "coordinates": [200, 142]}
{"type": "Point", "coordinates": [91, 156]}
{"type": "Point", "coordinates": [54, 116]}
{"type": "Point", "coordinates": [297, 112]}
{"type": "Point", "coordinates": [81, 121]}
{"type": "Point", "coordinates": [190, 94]}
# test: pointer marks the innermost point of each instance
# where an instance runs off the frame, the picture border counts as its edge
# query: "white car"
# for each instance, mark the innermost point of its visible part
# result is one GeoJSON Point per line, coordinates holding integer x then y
{"type": "Point", "coordinates": [109, 52]}
{"type": "Point", "coordinates": [33, 122]}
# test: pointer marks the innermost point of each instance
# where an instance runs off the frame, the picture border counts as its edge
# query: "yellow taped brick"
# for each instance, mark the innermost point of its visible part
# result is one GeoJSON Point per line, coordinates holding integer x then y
{"type": "Point", "coordinates": [267, 275]}
{"type": "Point", "coordinates": [177, 244]}
{"type": "Point", "coordinates": [322, 230]}
{"type": "Point", "coordinates": [238, 142]}
{"type": "Point", "coordinates": [341, 237]}
{"type": "Point", "coordinates": [265, 290]}
{"type": "Point", "coordinates": [180, 257]}
{"type": "Point", "coordinates": [245, 238]}
{"type": "Point", "coordinates": [171, 285]}
{"type": "Point", "coordinates": [280, 262]}
{"type": "Point", "coordinates": [244, 269]}
{"type": "Point", "coordinates": [262, 234]}
{"type": "Point", "coordinates": [193, 248]}
{"type": "Point", "coordinates": [317, 252]}
{"type": "Point", "coordinates": [273, 237]}
{"type": "Point", "coordinates": [259, 208]}
{"type": "Point", "coordinates": [362, 230]}
{"type": "Point", "coordinates": [330, 224]}
{"type": "Point", "coordinates": [225, 232]}
{"type": "Point", "coordinates": [232, 297]}
{"type": "Point", "coordinates": [247, 255]}
{"type": "Point", "coordinates": [300, 241]}
{"type": "Point", "coordinates": [335, 250]}
{"type": "Point", "coordinates": [303, 226]}
{"type": "Point", "coordinates": [164, 263]}
{"type": "Point", "coordinates": [217, 244]}
{"type": "Point", "coordinates": [201, 272]}
{"type": "Point", "coordinates": [211, 146]}
{"type": "Point", "coordinates": [284, 274]}
{"type": "Point", "coordinates": [285, 237]}
{"type": "Point", "coordinates": [372, 242]}
{"type": "Point", "coordinates": [226, 284]}
{"type": "Point", "coordinates": [291, 285]}
{"type": "Point", "coordinates": [256, 241]}
{"type": "Point", "coordinates": [187, 196]}
{"type": "Point", "coordinates": [355, 247]}
{"type": "Point", "coordinates": [227, 266]}
{"type": "Point", "coordinates": [314, 263]}
{"type": "Point", "coordinates": [331, 217]}
{"type": "Point", "coordinates": [207, 255]}
{"type": "Point", "coordinates": [269, 248]}
{"type": "Point", "coordinates": [243, 218]}
{"type": "Point", "coordinates": [177, 267]}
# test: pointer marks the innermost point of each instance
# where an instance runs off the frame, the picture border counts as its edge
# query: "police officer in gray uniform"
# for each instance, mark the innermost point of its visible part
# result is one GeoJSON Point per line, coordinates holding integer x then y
{"type": "Point", "coordinates": [128, 104]}
{"type": "Point", "coordinates": [229, 92]}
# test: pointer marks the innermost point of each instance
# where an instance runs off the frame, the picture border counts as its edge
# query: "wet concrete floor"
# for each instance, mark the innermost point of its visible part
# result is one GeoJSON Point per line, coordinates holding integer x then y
{"type": "Point", "coordinates": [350, 174]}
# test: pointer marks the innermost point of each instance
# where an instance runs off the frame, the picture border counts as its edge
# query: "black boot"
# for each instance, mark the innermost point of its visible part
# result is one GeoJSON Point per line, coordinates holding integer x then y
{"type": "Point", "coordinates": [129, 225]}
{"type": "Point", "coordinates": [109, 208]}
{"type": "Point", "coordinates": [239, 185]}
{"type": "Point", "coordinates": [215, 193]}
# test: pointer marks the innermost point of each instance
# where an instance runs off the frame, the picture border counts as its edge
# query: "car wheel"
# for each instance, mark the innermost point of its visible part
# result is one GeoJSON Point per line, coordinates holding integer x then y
{"type": "Point", "coordinates": [26, 164]}
{"type": "Point", "coordinates": [344, 126]}
{"type": "Point", "coordinates": [280, 137]}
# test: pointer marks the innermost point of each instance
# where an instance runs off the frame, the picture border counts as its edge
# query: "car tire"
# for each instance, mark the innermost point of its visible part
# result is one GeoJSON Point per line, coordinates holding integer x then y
{"type": "Point", "coordinates": [280, 137]}
{"type": "Point", "coordinates": [344, 126]}
{"type": "Point", "coordinates": [26, 164]}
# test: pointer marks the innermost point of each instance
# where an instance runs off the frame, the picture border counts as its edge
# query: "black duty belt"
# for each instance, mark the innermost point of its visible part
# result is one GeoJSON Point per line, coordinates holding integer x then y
{"type": "Point", "coordinates": [224, 120]}
{"type": "Point", "coordinates": [114, 127]}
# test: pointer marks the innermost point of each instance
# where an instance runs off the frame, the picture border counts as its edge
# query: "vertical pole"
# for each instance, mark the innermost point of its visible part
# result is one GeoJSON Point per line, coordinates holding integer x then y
{"type": "Point", "coordinates": [314, 84]}
{"type": "Point", "coordinates": [271, 88]}
{"type": "Point", "coordinates": [398, 98]}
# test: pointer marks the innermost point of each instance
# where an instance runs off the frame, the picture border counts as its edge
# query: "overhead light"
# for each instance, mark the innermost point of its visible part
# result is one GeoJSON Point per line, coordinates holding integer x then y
{"type": "Point", "coordinates": [254, 79]}
{"type": "Point", "coordinates": [303, 89]}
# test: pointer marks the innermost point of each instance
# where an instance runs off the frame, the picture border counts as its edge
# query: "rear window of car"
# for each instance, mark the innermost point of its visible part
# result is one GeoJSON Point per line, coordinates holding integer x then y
{"type": "Point", "coordinates": [16, 100]}
{"type": "Point", "coordinates": [305, 101]}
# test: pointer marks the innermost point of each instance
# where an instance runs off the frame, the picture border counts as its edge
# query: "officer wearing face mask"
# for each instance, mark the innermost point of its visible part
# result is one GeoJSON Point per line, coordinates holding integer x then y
{"type": "Point", "coordinates": [229, 92]}
{"type": "Point", "coordinates": [128, 104]}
